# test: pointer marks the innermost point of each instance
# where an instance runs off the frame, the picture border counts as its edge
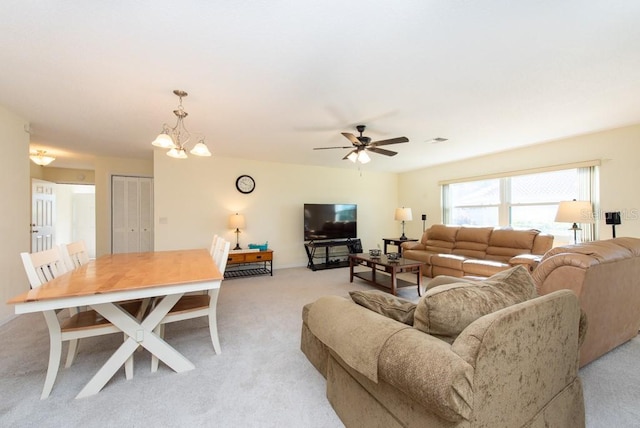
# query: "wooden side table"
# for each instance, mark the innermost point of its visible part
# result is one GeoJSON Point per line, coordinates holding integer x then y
{"type": "Point", "coordinates": [397, 242]}
{"type": "Point", "coordinates": [249, 263]}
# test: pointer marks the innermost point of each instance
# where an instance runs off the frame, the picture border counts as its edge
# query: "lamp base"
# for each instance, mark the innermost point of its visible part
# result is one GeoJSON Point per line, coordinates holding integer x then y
{"type": "Point", "coordinates": [238, 240]}
{"type": "Point", "coordinates": [403, 237]}
{"type": "Point", "coordinates": [575, 229]}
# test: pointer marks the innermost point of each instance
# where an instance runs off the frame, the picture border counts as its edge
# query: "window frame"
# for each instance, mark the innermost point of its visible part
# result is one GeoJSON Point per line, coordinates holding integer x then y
{"type": "Point", "coordinates": [587, 190]}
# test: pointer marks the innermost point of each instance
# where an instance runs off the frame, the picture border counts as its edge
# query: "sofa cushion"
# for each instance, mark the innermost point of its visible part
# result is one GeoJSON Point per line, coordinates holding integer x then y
{"type": "Point", "coordinates": [446, 310]}
{"type": "Point", "coordinates": [472, 241]}
{"type": "Point", "coordinates": [385, 304]}
{"type": "Point", "coordinates": [484, 268]}
{"type": "Point", "coordinates": [506, 243]}
{"type": "Point", "coordinates": [441, 238]}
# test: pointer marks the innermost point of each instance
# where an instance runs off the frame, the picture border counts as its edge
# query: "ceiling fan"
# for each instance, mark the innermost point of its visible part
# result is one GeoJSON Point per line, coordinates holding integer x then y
{"type": "Point", "coordinates": [361, 144]}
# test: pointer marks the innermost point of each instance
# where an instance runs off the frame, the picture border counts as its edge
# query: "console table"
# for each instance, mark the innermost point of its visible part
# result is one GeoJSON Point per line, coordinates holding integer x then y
{"type": "Point", "coordinates": [352, 246]}
{"type": "Point", "coordinates": [397, 242]}
{"type": "Point", "coordinates": [249, 263]}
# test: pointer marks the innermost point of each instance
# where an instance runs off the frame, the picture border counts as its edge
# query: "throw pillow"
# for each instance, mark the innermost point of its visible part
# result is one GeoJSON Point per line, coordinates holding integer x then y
{"type": "Point", "coordinates": [385, 304]}
{"type": "Point", "coordinates": [446, 310]}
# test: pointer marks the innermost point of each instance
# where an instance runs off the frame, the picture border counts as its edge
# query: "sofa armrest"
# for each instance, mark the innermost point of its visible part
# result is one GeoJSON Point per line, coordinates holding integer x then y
{"type": "Point", "coordinates": [355, 333]}
{"type": "Point", "coordinates": [412, 245]}
{"type": "Point", "coordinates": [427, 370]}
{"type": "Point", "coordinates": [562, 271]}
{"type": "Point", "coordinates": [525, 354]}
{"type": "Point", "coordinates": [529, 261]}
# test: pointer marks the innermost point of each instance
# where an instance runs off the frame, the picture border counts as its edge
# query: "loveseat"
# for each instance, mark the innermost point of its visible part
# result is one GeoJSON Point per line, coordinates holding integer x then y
{"type": "Point", "coordinates": [605, 275]}
{"type": "Point", "coordinates": [477, 252]}
{"type": "Point", "coordinates": [505, 358]}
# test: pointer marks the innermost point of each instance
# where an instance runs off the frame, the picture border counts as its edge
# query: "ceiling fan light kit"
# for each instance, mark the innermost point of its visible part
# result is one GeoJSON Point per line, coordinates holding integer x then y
{"type": "Point", "coordinates": [175, 138]}
{"type": "Point", "coordinates": [361, 144]}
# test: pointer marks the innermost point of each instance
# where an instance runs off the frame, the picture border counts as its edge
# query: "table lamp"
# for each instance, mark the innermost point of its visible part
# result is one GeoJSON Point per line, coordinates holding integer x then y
{"type": "Point", "coordinates": [574, 212]}
{"type": "Point", "coordinates": [403, 214]}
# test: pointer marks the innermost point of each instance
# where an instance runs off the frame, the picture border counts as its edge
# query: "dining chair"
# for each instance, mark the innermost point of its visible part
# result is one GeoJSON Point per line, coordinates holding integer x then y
{"type": "Point", "coordinates": [75, 254]}
{"type": "Point", "coordinates": [42, 267]}
{"type": "Point", "coordinates": [214, 242]}
{"type": "Point", "coordinates": [195, 306]}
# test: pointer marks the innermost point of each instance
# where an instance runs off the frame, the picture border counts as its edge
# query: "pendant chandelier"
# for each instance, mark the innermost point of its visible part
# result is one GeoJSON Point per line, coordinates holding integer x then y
{"type": "Point", "coordinates": [175, 138]}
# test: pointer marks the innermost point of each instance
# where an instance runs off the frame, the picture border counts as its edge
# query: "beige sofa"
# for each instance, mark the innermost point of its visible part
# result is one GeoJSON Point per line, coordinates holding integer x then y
{"type": "Point", "coordinates": [461, 251]}
{"type": "Point", "coordinates": [512, 367]}
{"type": "Point", "coordinates": [605, 275]}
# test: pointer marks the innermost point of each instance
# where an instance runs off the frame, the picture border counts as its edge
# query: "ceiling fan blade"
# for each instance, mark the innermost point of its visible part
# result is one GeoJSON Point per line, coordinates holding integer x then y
{"type": "Point", "coordinates": [381, 151]}
{"type": "Point", "coordinates": [334, 147]}
{"type": "Point", "coordinates": [347, 156]}
{"type": "Point", "coordinates": [352, 138]}
{"type": "Point", "coordinates": [390, 141]}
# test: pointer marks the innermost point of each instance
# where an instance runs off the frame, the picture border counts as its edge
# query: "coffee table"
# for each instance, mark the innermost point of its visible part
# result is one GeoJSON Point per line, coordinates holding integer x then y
{"type": "Point", "coordinates": [384, 272]}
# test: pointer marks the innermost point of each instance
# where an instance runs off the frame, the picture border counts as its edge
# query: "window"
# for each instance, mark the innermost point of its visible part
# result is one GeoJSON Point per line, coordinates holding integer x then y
{"type": "Point", "coordinates": [523, 201]}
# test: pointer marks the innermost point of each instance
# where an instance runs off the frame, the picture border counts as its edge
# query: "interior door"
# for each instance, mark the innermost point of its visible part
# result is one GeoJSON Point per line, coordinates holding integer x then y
{"type": "Point", "coordinates": [131, 214]}
{"type": "Point", "coordinates": [43, 208]}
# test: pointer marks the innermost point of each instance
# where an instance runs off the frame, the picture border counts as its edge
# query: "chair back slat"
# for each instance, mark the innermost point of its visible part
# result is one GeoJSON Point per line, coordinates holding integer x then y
{"type": "Point", "coordinates": [43, 266]}
{"type": "Point", "coordinates": [75, 254]}
{"type": "Point", "coordinates": [223, 256]}
{"type": "Point", "coordinates": [214, 243]}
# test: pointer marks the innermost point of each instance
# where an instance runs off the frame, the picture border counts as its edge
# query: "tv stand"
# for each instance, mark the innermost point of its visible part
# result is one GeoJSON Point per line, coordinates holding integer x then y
{"type": "Point", "coordinates": [331, 261]}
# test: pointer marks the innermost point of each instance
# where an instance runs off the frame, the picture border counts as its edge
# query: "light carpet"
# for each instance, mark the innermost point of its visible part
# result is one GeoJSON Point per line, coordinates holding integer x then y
{"type": "Point", "coordinates": [261, 379]}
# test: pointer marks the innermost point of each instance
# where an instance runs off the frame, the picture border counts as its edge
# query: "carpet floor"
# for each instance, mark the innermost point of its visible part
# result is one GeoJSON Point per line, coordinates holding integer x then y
{"type": "Point", "coordinates": [261, 379]}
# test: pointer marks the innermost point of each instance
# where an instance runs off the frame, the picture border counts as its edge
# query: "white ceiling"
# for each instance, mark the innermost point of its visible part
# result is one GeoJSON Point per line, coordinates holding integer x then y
{"type": "Point", "coordinates": [270, 80]}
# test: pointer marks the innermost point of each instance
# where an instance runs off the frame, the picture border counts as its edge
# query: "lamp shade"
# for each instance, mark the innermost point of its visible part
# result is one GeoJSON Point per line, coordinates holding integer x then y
{"type": "Point", "coordinates": [177, 153]}
{"type": "Point", "coordinates": [164, 141]}
{"type": "Point", "coordinates": [41, 158]}
{"type": "Point", "coordinates": [574, 212]}
{"type": "Point", "coordinates": [363, 157]}
{"type": "Point", "coordinates": [403, 214]}
{"type": "Point", "coordinates": [200, 149]}
{"type": "Point", "coordinates": [236, 221]}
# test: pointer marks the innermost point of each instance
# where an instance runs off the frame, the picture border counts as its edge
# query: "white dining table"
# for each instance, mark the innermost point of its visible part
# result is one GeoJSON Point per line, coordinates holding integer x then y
{"type": "Point", "coordinates": [164, 276]}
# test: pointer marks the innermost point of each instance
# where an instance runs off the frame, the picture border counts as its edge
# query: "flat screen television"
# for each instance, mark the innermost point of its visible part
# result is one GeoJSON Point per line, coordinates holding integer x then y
{"type": "Point", "coordinates": [330, 221]}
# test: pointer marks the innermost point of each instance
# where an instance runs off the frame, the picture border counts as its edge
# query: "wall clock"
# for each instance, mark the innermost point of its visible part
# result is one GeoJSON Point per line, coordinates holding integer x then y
{"type": "Point", "coordinates": [245, 184]}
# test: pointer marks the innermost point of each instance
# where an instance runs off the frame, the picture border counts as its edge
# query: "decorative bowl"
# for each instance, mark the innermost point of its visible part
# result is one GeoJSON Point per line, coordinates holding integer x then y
{"type": "Point", "coordinates": [375, 253]}
{"type": "Point", "coordinates": [393, 256]}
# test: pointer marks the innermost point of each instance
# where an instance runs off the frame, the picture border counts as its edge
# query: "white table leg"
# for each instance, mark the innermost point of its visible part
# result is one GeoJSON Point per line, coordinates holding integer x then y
{"type": "Point", "coordinates": [140, 334]}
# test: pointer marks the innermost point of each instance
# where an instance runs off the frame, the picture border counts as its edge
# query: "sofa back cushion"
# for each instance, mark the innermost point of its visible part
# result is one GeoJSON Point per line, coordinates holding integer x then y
{"type": "Point", "coordinates": [441, 238]}
{"type": "Point", "coordinates": [446, 310]}
{"type": "Point", "coordinates": [472, 242]}
{"type": "Point", "coordinates": [542, 244]}
{"type": "Point", "coordinates": [506, 243]}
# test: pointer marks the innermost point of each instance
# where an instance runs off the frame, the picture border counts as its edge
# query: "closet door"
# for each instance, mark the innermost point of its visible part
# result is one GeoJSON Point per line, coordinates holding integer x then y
{"type": "Point", "coordinates": [131, 214]}
{"type": "Point", "coordinates": [145, 218]}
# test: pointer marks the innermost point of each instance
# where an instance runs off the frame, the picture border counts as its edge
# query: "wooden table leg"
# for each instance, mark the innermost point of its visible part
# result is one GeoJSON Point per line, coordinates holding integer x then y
{"type": "Point", "coordinates": [393, 281]}
{"type": "Point", "coordinates": [351, 263]}
{"type": "Point", "coordinates": [419, 281]}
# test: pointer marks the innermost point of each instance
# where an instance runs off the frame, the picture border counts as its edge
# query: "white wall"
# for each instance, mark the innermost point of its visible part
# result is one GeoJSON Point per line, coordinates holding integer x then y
{"type": "Point", "coordinates": [619, 150]}
{"type": "Point", "coordinates": [75, 215]}
{"type": "Point", "coordinates": [194, 198]}
{"type": "Point", "coordinates": [14, 210]}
